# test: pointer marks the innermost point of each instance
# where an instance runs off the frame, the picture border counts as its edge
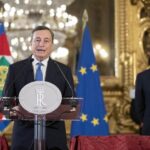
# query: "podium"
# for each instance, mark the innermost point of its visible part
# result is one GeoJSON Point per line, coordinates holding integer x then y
{"type": "Point", "coordinates": [64, 109]}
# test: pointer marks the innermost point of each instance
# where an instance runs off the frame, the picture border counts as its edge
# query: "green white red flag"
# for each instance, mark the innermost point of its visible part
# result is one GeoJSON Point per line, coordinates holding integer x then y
{"type": "Point", "coordinates": [5, 61]}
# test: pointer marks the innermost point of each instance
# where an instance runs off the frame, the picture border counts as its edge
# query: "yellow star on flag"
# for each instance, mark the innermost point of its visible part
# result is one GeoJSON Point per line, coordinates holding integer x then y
{"type": "Point", "coordinates": [83, 117]}
{"type": "Point", "coordinates": [83, 70]}
{"type": "Point", "coordinates": [93, 67]}
{"type": "Point", "coordinates": [95, 121]}
{"type": "Point", "coordinates": [106, 118]}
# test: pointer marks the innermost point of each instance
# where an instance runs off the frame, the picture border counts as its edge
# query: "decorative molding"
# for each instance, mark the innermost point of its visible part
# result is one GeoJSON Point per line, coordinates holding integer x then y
{"type": "Point", "coordinates": [116, 89]}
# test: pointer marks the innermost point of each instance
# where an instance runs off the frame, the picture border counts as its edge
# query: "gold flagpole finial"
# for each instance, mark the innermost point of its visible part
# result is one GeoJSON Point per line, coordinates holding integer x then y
{"type": "Point", "coordinates": [85, 18]}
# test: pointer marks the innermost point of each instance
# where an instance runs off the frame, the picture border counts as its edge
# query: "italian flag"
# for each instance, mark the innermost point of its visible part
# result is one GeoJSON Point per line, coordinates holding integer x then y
{"type": "Point", "coordinates": [5, 60]}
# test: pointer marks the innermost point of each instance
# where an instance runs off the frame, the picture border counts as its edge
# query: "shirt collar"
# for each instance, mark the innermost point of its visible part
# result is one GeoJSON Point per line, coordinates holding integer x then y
{"type": "Point", "coordinates": [44, 62]}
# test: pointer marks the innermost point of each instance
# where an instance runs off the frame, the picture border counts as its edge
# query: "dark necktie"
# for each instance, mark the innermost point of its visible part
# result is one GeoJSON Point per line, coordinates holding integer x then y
{"type": "Point", "coordinates": [39, 74]}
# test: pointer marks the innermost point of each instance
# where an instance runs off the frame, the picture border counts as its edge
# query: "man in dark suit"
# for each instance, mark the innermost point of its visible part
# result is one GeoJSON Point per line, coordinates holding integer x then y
{"type": "Point", "coordinates": [22, 73]}
{"type": "Point", "coordinates": [142, 101]}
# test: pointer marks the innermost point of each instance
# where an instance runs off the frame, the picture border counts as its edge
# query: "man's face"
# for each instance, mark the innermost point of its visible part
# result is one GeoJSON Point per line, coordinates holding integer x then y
{"type": "Point", "coordinates": [41, 44]}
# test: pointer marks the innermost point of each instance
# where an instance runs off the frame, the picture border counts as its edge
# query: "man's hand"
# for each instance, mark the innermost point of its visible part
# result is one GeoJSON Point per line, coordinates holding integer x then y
{"type": "Point", "coordinates": [13, 111]}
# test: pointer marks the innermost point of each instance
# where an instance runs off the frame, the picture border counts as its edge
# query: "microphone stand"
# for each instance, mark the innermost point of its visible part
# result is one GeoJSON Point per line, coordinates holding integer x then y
{"type": "Point", "coordinates": [39, 132]}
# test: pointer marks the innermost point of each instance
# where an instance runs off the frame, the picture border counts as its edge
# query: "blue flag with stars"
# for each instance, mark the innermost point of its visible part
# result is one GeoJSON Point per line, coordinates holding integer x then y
{"type": "Point", "coordinates": [93, 119]}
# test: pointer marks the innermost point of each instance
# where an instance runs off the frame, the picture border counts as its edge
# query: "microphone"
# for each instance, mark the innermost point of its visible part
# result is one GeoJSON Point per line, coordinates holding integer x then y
{"type": "Point", "coordinates": [6, 89]}
{"type": "Point", "coordinates": [58, 66]}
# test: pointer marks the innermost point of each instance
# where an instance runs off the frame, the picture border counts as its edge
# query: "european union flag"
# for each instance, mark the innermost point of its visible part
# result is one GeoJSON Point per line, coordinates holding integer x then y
{"type": "Point", "coordinates": [93, 120]}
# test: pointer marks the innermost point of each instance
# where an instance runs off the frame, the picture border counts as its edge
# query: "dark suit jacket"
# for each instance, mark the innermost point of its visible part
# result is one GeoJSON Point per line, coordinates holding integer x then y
{"type": "Point", "coordinates": [20, 74]}
{"type": "Point", "coordinates": [142, 100]}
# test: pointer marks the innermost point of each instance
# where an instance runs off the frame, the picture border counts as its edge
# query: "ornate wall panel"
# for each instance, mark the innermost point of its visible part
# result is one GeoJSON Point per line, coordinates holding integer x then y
{"type": "Point", "coordinates": [117, 88]}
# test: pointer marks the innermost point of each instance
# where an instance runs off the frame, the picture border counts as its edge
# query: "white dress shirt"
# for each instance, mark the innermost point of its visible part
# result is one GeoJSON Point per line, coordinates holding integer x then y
{"type": "Point", "coordinates": [43, 67]}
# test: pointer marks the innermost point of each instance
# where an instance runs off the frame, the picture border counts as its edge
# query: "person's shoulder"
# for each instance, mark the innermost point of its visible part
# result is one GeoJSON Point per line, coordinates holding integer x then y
{"type": "Point", "coordinates": [19, 63]}
{"type": "Point", "coordinates": [144, 72]}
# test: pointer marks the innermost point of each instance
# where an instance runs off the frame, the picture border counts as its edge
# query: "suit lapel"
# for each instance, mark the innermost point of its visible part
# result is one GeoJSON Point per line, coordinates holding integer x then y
{"type": "Point", "coordinates": [54, 76]}
{"type": "Point", "coordinates": [29, 71]}
{"type": "Point", "coordinates": [50, 71]}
